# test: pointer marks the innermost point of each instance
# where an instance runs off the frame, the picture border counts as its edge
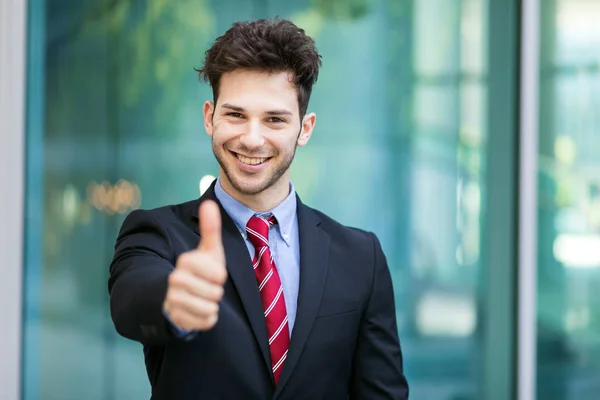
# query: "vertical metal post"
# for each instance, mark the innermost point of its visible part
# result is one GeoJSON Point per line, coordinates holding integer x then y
{"type": "Point", "coordinates": [528, 190]}
{"type": "Point", "coordinates": [13, 26]}
{"type": "Point", "coordinates": [500, 220]}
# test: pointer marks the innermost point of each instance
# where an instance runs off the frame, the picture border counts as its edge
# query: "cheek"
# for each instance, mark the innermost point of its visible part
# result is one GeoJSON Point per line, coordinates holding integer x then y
{"type": "Point", "coordinates": [223, 133]}
{"type": "Point", "coordinates": [288, 145]}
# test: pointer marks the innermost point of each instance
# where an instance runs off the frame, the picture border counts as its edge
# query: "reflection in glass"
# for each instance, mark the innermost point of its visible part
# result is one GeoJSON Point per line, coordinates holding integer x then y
{"type": "Point", "coordinates": [568, 362]}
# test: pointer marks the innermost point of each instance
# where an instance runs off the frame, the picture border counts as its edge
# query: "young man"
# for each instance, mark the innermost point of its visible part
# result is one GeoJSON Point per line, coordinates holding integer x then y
{"type": "Point", "coordinates": [247, 293]}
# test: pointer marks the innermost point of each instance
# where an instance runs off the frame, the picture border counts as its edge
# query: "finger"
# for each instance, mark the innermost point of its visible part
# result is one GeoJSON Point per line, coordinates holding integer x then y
{"type": "Point", "coordinates": [210, 227]}
{"type": "Point", "coordinates": [189, 322]}
{"type": "Point", "coordinates": [188, 281]}
{"type": "Point", "coordinates": [203, 265]}
{"type": "Point", "coordinates": [181, 300]}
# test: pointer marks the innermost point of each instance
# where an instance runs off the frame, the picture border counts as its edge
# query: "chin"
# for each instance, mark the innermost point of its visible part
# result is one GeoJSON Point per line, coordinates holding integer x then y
{"type": "Point", "coordinates": [249, 186]}
{"type": "Point", "coordinates": [246, 183]}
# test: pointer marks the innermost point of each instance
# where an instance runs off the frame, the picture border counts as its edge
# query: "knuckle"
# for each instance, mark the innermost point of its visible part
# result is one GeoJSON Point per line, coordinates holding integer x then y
{"type": "Point", "coordinates": [212, 321]}
{"type": "Point", "coordinates": [175, 278]}
{"type": "Point", "coordinates": [219, 292]}
{"type": "Point", "coordinates": [175, 299]}
{"type": "Point", "coordinates": [209, 322]}
{"type": "Point", "coordinates": [221, 274]}
{"type": "Point", "coordinates": [183, 260]}
{"type": "Point", "coordinates": [208, 308]}
{"type": "Point", "coordinates": [169, 298]}
{"type": "Point", "coordinates": [187, 260]}
{"type": "Point", "coordinates": [213, 308]}
{"type": "Point", "coordinates": [176, 317]}
{"type": "Point", "coordinates": [212, 292]}
{"type": "Point", "coordinates": [167, 307]}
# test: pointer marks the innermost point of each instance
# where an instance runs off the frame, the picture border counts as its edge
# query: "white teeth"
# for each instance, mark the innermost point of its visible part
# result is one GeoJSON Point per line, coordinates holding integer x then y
{"type": "Point", "coordinates": [250, 160]}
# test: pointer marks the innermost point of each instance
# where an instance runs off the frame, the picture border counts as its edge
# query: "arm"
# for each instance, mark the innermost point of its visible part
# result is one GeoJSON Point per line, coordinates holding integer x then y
{"type": "Point", "coordinates": [138, 279]}
{"type": "Point", "coordinates": [377, 370]}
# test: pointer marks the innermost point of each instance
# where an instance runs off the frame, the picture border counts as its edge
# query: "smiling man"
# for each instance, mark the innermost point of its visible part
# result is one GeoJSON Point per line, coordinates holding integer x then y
{"type": "Point", "coordinates": [255, 128]}
{"type": "Point", "coordinates": [246, 292]}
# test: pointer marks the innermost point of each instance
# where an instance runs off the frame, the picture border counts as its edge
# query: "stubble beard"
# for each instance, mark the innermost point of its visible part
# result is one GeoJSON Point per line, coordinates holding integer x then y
{"type": "Point", "coordinates": [237, 182]}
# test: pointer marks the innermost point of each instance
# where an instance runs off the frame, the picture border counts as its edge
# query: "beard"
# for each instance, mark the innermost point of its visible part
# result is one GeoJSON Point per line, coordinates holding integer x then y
{"type": "Point", "coordinates": [255, 184]}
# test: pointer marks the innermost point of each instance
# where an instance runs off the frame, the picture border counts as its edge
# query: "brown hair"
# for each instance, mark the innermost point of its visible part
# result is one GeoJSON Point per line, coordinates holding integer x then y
{"type": "Point", "coordinates": [264, 45]}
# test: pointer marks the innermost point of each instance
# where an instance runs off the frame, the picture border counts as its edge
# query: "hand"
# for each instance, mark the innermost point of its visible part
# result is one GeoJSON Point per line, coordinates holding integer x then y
{"type": "Point", "coordinates": [196, 284]}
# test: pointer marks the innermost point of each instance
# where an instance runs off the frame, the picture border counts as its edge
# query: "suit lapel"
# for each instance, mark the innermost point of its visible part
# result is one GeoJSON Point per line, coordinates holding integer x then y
{"type": "Point", "coordinates": [241, 273]}
{"type": "Point", "coordinates": [314, 254]}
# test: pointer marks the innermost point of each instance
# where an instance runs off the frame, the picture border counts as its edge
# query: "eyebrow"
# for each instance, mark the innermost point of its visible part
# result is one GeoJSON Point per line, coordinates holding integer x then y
{"type": "Point", "coordinates": [232, 107]}
{"type": "Point", "coordinates": [270, 112]}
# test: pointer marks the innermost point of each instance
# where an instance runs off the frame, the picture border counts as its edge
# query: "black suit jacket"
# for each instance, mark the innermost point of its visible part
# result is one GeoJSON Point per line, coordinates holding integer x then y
{"type": "Point", "coordinates": [344, 343]}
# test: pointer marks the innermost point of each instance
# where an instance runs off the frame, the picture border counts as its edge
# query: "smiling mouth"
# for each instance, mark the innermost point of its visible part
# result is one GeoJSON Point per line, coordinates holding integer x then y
{"type": "Point", "coordinates": [250, 160]}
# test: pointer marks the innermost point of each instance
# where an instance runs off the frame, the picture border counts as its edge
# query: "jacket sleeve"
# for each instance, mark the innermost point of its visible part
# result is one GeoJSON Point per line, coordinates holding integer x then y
{"type": "Point", "coordinates": [138, 279]}
{"type": "Point", "coordinates": [377, 370]}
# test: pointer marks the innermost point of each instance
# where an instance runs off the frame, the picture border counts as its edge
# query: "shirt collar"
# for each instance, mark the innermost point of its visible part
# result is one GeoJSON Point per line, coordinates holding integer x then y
{"type": "Point", "coordinates": [284, 212]}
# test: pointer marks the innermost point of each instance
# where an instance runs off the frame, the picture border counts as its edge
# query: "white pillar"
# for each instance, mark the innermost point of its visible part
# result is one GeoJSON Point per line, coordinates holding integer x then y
{"type": "Point", "coordinates": [528, 189]}
{"type": "Point", "coordinates": [13, 25]}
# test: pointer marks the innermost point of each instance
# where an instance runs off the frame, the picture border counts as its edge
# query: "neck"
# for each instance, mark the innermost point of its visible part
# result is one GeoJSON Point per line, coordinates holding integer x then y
{"type": "Point", "coordinates": [263, 201]}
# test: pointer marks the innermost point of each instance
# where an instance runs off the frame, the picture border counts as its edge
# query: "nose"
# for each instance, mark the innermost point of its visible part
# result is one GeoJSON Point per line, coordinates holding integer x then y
{"type": "Point", "coordinates": [252, 138]}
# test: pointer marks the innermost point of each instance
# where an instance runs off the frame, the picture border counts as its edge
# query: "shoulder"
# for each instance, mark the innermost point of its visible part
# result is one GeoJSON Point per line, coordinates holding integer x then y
{"type": "Point", "coordinates": [159, 228]}
{"type": "Point", "coordinates": [164, 214]}
{"type": "Point", "coordinates": [161, 224]}
{"type": "Point", "coordinates": [355, 255]}
{"type": "Point", "coordinates": [344, 235]}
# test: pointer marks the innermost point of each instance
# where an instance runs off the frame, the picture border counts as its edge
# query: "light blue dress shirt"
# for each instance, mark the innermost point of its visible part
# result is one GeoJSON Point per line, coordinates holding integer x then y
{"type": "Point", "coordinates": [283, 241]}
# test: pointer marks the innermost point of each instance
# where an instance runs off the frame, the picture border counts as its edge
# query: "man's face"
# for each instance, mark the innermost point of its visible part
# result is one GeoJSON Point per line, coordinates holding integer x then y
{"type": "Point", "coordinates": [255, 128]}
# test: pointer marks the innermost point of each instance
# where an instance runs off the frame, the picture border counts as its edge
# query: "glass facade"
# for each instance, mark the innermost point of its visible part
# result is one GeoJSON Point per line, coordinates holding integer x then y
{"type": "Point", "coordinates": [416, 103]}
{"type": "Point", "coordinates": [568, 361]}
{"type": "Point", "coordinates": [401, 105]}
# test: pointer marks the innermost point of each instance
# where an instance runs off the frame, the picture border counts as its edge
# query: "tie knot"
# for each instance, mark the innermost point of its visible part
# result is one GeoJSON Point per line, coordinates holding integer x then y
{"type": "Point", "coordinates": [258, 230]}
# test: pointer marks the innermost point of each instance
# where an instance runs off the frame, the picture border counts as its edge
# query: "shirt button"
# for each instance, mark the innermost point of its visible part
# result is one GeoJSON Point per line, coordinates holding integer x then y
{"type": "Point", "coordinates": [285, 236]}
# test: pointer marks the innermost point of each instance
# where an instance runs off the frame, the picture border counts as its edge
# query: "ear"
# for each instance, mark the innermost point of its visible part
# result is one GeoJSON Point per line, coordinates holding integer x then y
{"type": "Point", "coordinates": [208, 110]}
{"type": "Point", "coordinates": [308, 125]}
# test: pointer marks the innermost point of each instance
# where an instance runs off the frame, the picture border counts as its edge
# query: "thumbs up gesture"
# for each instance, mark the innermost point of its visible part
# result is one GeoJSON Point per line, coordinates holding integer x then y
{"type": "Point", "coordinates": [196, 284]}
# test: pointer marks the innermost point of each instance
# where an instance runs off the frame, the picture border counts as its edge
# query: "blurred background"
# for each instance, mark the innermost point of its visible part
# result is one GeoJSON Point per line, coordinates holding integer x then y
{"type": "Point", "coordinates": [418, 106]}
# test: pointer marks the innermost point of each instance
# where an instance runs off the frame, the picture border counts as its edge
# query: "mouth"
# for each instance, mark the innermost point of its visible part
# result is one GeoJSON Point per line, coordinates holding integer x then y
{"type": "Point", "coordinates": [250, 161]}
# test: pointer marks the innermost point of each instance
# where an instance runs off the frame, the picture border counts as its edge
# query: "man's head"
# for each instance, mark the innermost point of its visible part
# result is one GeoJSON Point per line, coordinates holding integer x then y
{"type": "Point", "coordinates": [265, 46]}
{"type": "Point", "coordinates": [262, 75]}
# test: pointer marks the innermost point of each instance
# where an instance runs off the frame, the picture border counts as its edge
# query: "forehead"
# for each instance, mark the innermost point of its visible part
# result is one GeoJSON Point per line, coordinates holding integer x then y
{"type": "Point", "coordinates": [260, 91]}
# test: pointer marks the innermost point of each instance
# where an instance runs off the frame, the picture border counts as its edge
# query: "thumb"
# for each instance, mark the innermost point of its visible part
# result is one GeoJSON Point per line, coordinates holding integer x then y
{"type": "Point", "coordinates": [210, 227]}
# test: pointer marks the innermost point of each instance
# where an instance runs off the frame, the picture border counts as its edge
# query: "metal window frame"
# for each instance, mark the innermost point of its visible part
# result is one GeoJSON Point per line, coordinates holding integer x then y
{"type": "Point", "coordinates": [499, 299]}
{"type": "Point", "coordinates": [13, 45]}
{"type": "Point", "coordinates": [528, 193]}
{"type": "Point", "coordinates": [510, 298]}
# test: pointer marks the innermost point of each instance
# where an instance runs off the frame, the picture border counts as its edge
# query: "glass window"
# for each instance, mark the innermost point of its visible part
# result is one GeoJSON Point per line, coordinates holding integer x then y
{"type": "Point", "coordinates": [399, 149]}
{"type": "Point", "coordinates": [568, 360]}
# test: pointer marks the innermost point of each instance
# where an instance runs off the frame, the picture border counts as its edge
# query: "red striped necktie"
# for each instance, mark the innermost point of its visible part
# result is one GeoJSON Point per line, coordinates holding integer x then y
{"type": "Point", "coordinates": [271, 292]}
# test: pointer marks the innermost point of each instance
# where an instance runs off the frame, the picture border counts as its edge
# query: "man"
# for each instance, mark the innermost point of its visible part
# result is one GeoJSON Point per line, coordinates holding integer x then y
{"type": "Point", "coordinates": [247, 293]}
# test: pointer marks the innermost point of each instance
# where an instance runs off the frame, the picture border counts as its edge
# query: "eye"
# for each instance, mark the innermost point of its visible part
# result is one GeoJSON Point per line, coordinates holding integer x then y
{"type": "Point", "coordinates": [235, 115]}
{"type": "Point", "coordinates": [275, 119]}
